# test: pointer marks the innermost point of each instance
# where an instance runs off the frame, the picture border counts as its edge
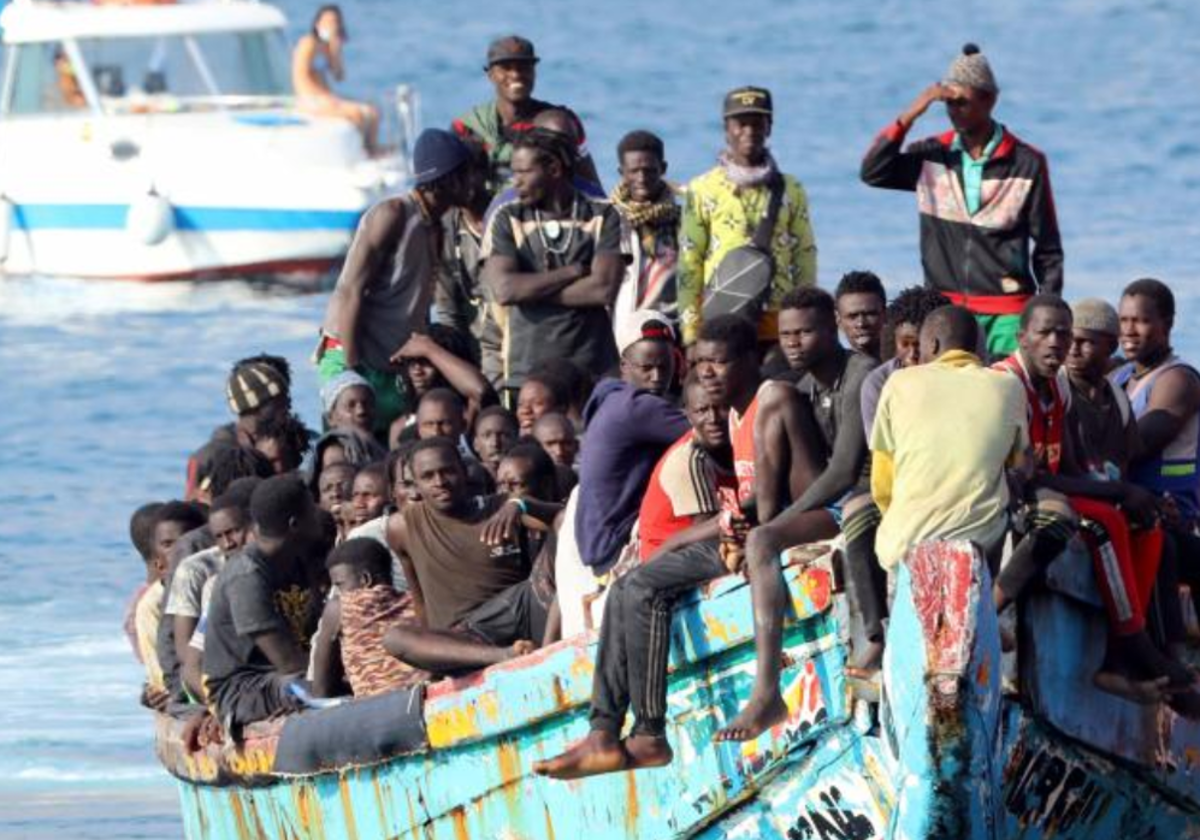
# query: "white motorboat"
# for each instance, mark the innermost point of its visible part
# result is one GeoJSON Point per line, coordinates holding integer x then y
{"type": "Point", "coordinates": [163, 141]}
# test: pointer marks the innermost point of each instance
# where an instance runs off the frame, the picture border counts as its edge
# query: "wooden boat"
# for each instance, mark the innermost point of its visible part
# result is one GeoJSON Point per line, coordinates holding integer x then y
{"type": "Point", "coordinates": [948, 752]}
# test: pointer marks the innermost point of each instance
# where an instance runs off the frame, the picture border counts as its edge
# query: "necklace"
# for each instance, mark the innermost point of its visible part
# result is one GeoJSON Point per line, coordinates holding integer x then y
{"type": "Point", "coordinates": [554, 229]}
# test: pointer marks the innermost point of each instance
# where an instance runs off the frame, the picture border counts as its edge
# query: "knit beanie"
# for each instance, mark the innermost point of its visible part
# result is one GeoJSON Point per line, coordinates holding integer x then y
{"type": "Point", "coordinates": [334, 388]}
{"type": "Point", "coordinates": [253, 384]}
{"type": "Point", "coordinates": [1096, 315]}
{"type": "Point", "coordinates": [972, 70]}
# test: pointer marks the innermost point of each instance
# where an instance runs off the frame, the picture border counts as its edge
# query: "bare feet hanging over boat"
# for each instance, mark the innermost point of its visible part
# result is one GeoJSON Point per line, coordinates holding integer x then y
{"type": "Point", "coordinates": [600, 752]}
{"type": "Point", "coordinates": [759, 715]}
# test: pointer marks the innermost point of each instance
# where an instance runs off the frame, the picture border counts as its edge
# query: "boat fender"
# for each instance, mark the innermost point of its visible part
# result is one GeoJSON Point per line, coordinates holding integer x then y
{"type": "Point", "coordinates": [150, 219]}
{"type": "Point", "coordinates": [6, 217]}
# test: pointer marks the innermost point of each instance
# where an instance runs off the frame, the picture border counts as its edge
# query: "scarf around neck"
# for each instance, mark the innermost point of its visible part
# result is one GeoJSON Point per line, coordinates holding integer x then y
{"type": "Point", "coordinates": [747, 176]}
{"type": "Point", "coordinates": [661, 213]}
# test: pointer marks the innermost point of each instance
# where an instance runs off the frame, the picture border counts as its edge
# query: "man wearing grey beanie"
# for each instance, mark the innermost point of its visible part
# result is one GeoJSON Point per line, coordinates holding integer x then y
{"type": "Point", "coordinates": [989, 232]}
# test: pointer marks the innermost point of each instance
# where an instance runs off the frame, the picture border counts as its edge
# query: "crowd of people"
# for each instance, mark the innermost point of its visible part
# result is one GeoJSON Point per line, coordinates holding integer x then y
{"type": "Point", "coordinates": [545, 407]}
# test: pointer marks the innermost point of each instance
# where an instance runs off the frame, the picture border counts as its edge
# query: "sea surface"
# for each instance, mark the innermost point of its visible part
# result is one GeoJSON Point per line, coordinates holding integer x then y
{"type": "Point", "coordinates": [106, 387]}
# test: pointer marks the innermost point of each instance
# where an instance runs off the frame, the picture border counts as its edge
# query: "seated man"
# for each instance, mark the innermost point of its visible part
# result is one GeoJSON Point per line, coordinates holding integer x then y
{"type": "Point", "coordinates": [539, 395]}
{"type": "Point", "coordinates": [683, 497]}
{"type": "Point", "coordinates": [442, 413]}
{"type": "Point", "coordinates": [348, 402]}
{"type": "Point", "coordinates": [368, 495]}
{"type": "Point", "coordinates": [526, 472]}
{"type": "Point", "coordinates": [496, 430]}
{"type": "Point", "coordinates": [284, 441]}
{"type": "Point", "coordinates": [264, 609]}
{"type": "Point", "coordinates": [171, 521]}
{"type": "Point", "coordinates": [557, 436]}
{"type": "Point", "coordinates": [141, 535]}
{"type": "Point", "coordinates": [441, 358]}
{"type": "Point", "coordinates": [468, 568]}
{"type": "Point", "coordinates": [905, 316]}
{"type": "Point", "coordinates": [354, 623]}
{"type": "Point", "coordinates": [861, 302]}
{"type": "Point", "coordinates": [313, 92]}
{"type": "Point", "coordinates": [258, 390]}
{"type": "Point", "coordinates": [771, 461]}
{"type": "Point", "coordinates": [229, 522]}
{"type": "Point", "coordinates": [1164, 393]}
{"type": "Point", "coordinates": [832, 381]}
{"type": "Point", "coordinates": [1044, 338]}
{"type": "Point", "coordinates": [334, 488]}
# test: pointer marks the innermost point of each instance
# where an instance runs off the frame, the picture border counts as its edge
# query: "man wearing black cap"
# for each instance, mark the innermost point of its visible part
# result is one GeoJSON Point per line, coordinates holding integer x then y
{"type": "Point", "coordinates": [512, 69]}
{"type": "Point", "coordinates": [724, 210]}
{"type": "Point", "coordinates": [983, 195]}
{"type": "Point", "coordinates": [386, 285]}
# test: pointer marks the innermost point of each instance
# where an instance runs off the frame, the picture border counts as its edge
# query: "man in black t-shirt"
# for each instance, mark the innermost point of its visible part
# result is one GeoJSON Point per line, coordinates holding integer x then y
{"type": "Point", "coordinates": [554, 259]}
{"type": "Point", "coordinates": [264, 609]}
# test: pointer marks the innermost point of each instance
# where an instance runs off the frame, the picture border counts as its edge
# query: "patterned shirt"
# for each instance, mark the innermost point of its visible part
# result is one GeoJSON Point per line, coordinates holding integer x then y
{"type": "Point", "coordinates": [719, 217]}
{"type": "Point", "coordinates": [367, 615]}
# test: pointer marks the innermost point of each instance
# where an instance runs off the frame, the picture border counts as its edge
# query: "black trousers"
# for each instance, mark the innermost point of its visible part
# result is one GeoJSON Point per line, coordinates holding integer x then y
{"type": "Point", "coordinates": [631, 667]}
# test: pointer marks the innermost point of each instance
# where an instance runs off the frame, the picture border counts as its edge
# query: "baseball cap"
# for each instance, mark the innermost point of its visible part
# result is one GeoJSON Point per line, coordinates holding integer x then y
{"type": "Point", "coordinates": [510, 48]}
{"type": "Point", "coordinates": [748, 100]}
{"type": "Point", "coordinates": [437, 153]}
{"type": "Point", "coordinates": [644, 325]}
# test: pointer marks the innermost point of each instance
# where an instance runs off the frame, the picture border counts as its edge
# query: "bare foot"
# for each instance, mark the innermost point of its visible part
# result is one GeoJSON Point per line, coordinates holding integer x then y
{"type": "Point", "coordinates": [866, 662]}
{"type": "Point", "coordinates": [646, 751]}
{"type": "Point", "coordinates": [598, 753]}
{"type": "Point", "coordinates": [1145, 692]}
{"type": "Point", "coordinates": [522, 647]}
{"type": "Point", "coordinates": [758, 716]}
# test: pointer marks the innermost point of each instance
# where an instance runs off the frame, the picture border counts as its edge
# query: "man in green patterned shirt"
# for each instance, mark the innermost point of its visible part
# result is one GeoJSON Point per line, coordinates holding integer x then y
{"type": "Point", "coordinates": [725, 205]}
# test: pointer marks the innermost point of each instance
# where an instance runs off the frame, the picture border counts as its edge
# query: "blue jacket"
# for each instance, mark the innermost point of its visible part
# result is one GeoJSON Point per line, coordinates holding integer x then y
{"type": "Point", "coordinates": [627, 431]}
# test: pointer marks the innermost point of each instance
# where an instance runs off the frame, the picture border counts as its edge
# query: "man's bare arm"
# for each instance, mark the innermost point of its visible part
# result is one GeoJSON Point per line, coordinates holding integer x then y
{"type": "Point", "coordinates": [510, 287]}
{"type": "Point", "coordinates": [599, 288]}
{"type": "Point", "coordinates": [282, 652]}
{"type": "Point", "coordinates": [377, 236]}
{"type": "Point", "coordinates": [1174, 400]}
{"type": "Point", "coordinates": [784, 462]}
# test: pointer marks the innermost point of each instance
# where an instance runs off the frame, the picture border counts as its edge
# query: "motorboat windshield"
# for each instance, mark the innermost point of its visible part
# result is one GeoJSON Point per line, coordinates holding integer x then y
{"type": "Point", "coordinates": [149, 73]}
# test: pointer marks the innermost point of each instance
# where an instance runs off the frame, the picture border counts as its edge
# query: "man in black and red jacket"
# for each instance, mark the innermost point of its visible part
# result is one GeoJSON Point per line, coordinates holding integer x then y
{"type": "Point", "coordinates": [982, 194]}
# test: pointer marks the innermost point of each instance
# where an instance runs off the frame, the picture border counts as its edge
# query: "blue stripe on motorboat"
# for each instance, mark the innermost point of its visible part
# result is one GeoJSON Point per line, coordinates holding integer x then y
{"type": "Point", "coordinates": [33, 217]}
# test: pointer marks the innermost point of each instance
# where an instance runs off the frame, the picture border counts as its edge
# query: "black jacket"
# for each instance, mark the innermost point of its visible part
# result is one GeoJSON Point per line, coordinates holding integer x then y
{"type": "Point", "coordinates": [983, 261]}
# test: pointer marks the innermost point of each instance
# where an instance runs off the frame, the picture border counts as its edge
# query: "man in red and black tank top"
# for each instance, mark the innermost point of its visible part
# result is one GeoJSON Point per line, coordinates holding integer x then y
{"type": "Point", "coordinates": [631, 667]}
{"type": "Point", "coordinates": [1062, 496]}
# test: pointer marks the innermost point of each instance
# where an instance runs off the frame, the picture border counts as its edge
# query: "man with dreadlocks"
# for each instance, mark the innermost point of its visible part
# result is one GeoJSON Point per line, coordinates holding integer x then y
{"type": "Point", "coordinates": [649, 228]}
{"type": "Point", "coordinates": [553, 257]}
{"type": "Point", "coordinates": [258, 391]}
{"type": "Point", "coordinates": [725, 206]}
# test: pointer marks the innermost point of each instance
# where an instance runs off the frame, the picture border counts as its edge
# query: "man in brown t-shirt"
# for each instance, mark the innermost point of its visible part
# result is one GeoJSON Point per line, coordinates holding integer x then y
{"type": "Point", "coordinates": [468, 566]}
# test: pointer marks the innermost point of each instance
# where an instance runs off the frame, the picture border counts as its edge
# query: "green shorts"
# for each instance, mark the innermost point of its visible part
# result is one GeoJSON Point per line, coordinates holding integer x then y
{"type": "Point", "coordinates": [392, 395]}
{"type": "Point", "coordinates": [1000, 334]}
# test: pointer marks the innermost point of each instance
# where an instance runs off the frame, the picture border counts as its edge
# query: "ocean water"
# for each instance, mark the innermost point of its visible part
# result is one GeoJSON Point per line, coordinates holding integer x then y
{"type": "Point", "coordinates": [108, 386]}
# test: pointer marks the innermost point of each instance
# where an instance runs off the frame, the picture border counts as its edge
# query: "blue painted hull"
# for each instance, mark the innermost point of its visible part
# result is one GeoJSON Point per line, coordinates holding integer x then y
{"type": "Point", "coordinates": [976, 765]}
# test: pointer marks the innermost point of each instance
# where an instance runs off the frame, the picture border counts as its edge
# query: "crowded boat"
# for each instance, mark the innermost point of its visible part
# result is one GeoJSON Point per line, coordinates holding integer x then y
{"type": "Point", "coordinates": [558, 414]}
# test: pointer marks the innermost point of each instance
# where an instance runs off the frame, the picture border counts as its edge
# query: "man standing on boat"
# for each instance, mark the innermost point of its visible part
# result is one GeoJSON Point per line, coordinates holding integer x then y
{"type": "Point", "coordinates": [383, 294]}
{"type": "Point", "coordinates": [553, 258]}
{"type": "Point", "coordinates": [725, 209]}
{"type": "Point", "coordinates": [649, 229]}
{"type": "Point", "coordinates": [512, 69]}
{"type": "Point", "coordinates": [982, 194]}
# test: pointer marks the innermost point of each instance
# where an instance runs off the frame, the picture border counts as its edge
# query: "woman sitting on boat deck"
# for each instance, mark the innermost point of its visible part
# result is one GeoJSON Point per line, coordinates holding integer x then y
{"type": "Point", "coordinates": [314, 95]}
